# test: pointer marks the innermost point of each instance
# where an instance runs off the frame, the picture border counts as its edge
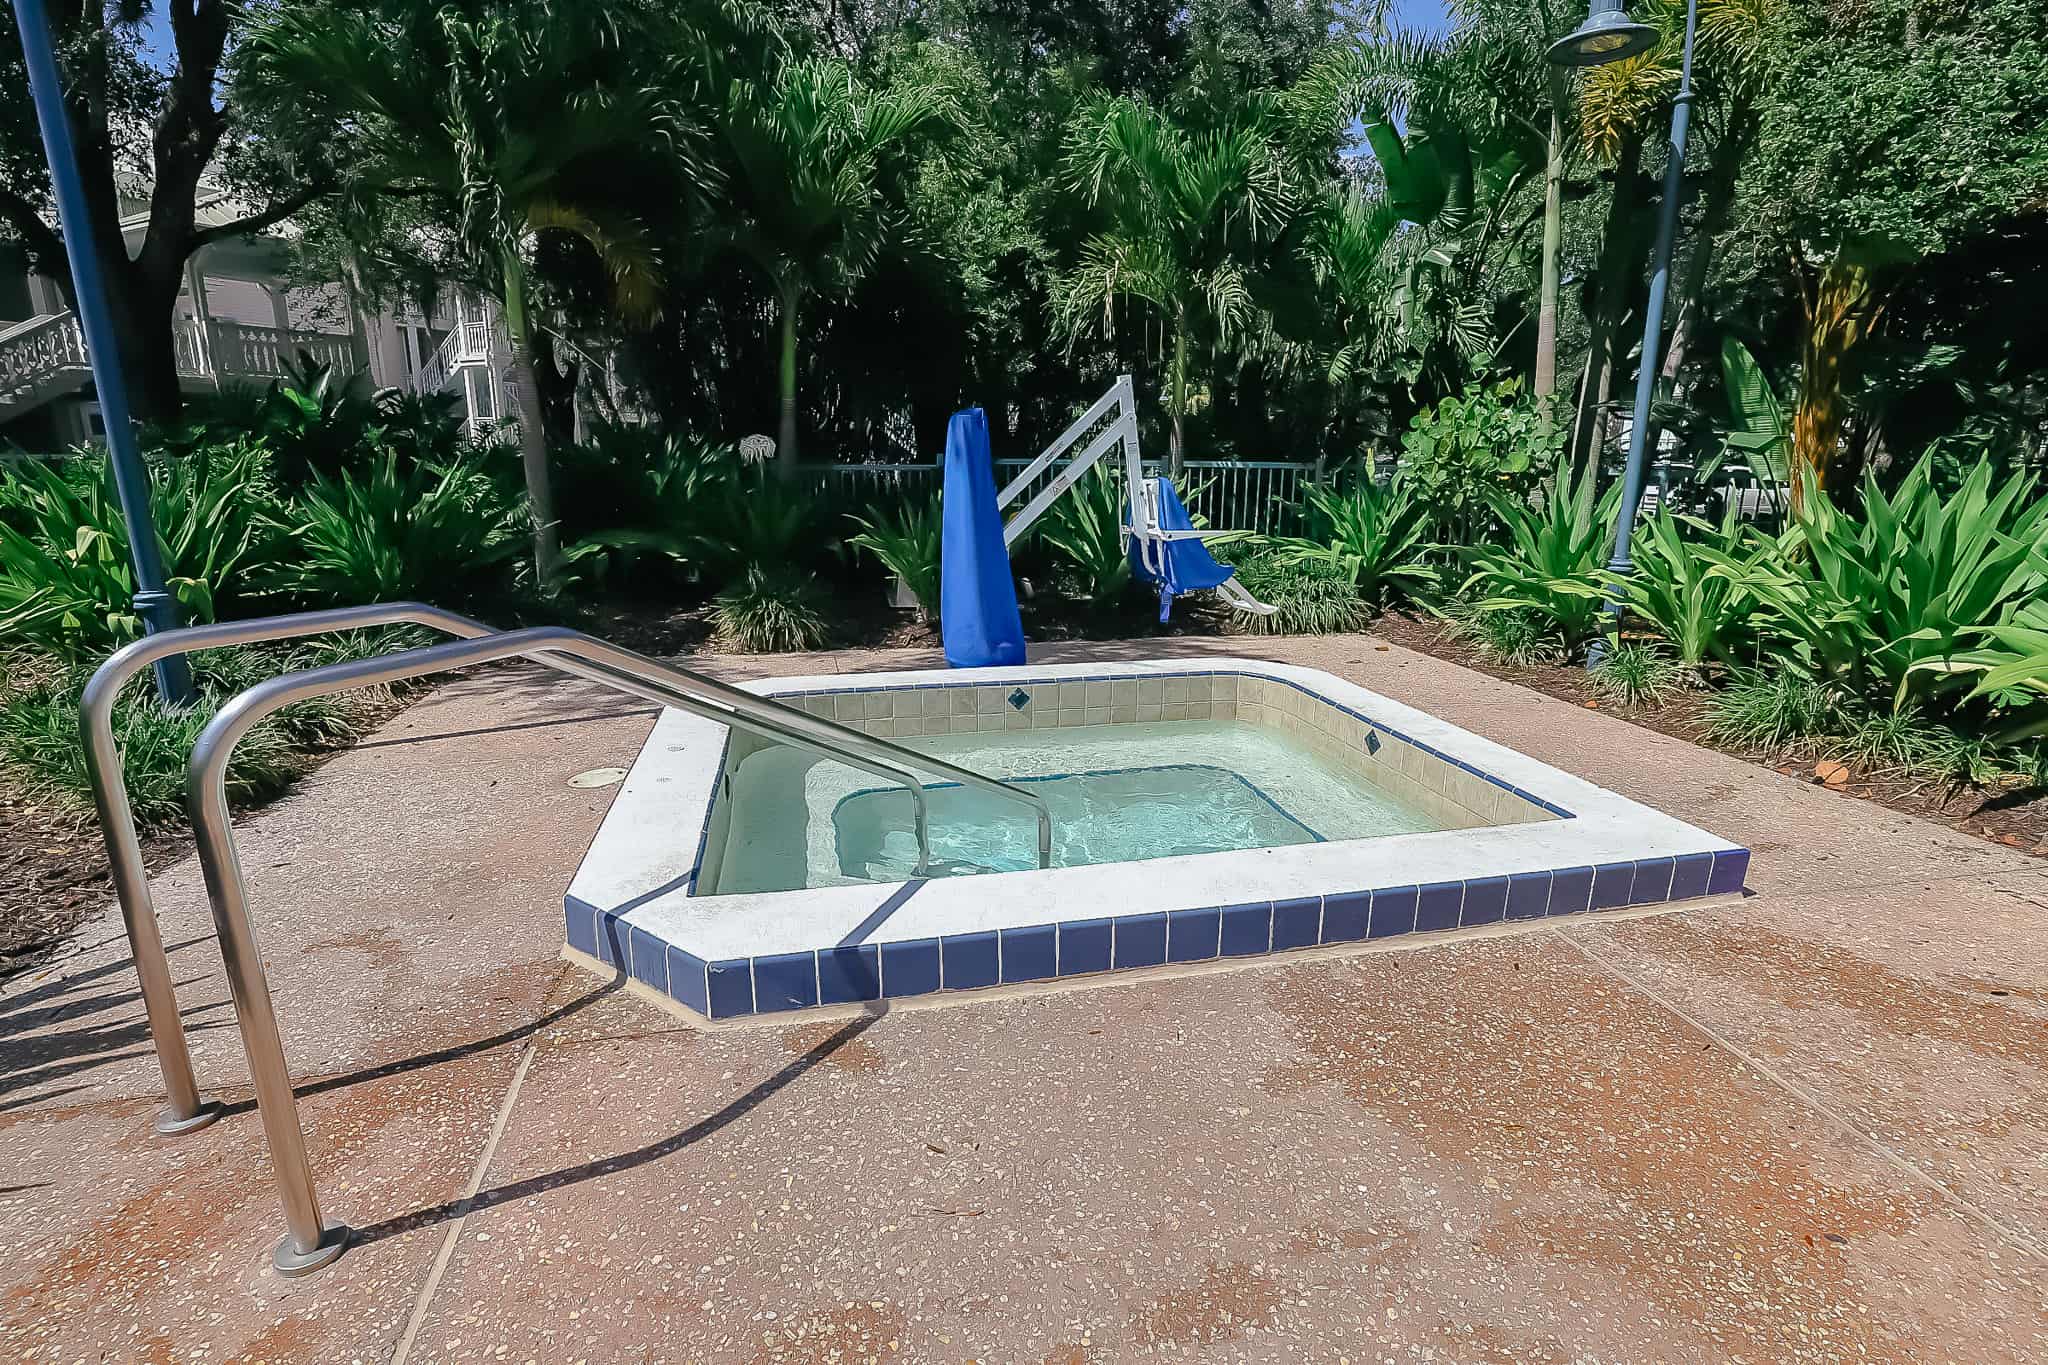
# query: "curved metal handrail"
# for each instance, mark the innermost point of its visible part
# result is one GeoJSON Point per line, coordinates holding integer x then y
{"type": "Point", "coordinates": [309, 1242]}
{"type": "Point", "coordinates": [184, 1109]}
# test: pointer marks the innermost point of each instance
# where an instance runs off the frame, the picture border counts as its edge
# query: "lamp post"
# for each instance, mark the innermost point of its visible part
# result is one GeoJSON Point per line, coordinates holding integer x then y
{"type": "Point", "coordinates": [1609, 35]}
{"type": "Point", "coordinates": [156, 607]}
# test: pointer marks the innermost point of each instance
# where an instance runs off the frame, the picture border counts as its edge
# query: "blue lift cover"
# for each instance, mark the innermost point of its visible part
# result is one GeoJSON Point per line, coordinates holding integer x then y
{"type": "Point", "coordinates": [977, 596]}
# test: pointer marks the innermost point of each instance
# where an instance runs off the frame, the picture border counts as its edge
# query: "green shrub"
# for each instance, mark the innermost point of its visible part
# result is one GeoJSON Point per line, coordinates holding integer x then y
{"type": "Point", "coordinates": [632, 493]}
{"type": "Point", "coordinates": [1471, 447]}
{"type": "Point", "coordinates": [66, 585]}
{"type": "Point", "coordinates": [1314, 596]}
{"type": "Point", "coordinates": [442, 533]}
{"type": "Point", "coordinates": [1375, 536]}
{"type": "Point", "coordinates": [770, 612]}
{"type": "Point", "coordinates": [1550, 565]}
{"type": "Point", "coordinates": [908, 544]}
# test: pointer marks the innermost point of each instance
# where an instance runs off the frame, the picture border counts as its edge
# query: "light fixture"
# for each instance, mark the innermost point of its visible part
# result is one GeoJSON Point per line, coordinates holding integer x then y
{"type": "Point", "coordinates": [1608, 35]}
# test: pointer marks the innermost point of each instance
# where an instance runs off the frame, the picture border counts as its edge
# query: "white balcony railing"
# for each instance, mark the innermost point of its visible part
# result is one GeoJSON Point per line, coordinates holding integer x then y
{"type": "Point", "coordinates": [46, 356]}
{"type": "Point", "coordinates": [38, 356]}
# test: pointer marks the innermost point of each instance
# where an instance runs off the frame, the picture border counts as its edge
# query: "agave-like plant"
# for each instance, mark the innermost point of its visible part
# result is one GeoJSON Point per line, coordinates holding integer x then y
{"type": "Point", "coordinates": [1891, 601]}
{"type": "Point", "coordinates": [907, 543]}
{"type": "Point", "coordinates": [398, 530]}
{"type": "Point", "coordinates": [1551, 562]}
{"type": "Point", "coordinates": [1375, 535]}
{"type": "Point", "coordinates": [1694, 583]}
{"type": "Point", "coordinates": [1084, 529]}
{"type": "Point", "coordinates": [66, 583]}
{"type": "Point", "coordinates": [2010, 670]}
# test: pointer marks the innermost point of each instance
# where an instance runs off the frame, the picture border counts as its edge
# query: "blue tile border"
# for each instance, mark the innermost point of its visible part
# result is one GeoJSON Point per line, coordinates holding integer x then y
{"type": "Point", "coordinates": [855, 973]}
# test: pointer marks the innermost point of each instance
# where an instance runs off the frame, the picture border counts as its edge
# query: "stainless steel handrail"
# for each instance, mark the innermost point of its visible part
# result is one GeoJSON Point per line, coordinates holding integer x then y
{"type": "Point", "coordinates": [184, 1109]}
{"type": "Point", "coordinates": [309, 1242]}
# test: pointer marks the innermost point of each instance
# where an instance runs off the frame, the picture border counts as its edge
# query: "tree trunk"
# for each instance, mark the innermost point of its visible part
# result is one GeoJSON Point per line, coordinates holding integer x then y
{"type": "Point", "coordinates": [1176, 451]}
{"type": "Point", "coordinates": [785, 430]}
{"type": "Point", "coordinates": [1613, 287]}
{"type": "Point", "coordinates": [533, 439]}
{"type": "Point", "coordinates": [1553, 248]}
{"type": "Point", "coordinates": [1838, 314]}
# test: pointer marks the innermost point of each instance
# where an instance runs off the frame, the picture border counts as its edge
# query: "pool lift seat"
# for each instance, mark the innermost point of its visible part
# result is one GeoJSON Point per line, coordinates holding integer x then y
{"type": "Point", "coordinates": [1165, 548]}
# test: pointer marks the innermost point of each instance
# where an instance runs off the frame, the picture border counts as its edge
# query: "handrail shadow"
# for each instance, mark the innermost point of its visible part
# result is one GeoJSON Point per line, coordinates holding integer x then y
{"type": "Point", "coordinates": [703, 1128]}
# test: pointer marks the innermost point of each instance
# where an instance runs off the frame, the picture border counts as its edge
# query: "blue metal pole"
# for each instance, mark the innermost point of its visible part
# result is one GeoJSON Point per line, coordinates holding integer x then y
{"type": "Point", "coordinates": [157, 608]}
{"type": "Point", "coordinates": [1653, 332]}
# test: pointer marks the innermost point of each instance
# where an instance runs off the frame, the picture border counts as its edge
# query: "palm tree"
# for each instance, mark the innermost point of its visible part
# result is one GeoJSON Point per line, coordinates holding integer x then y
{"type": "Point", "coordinates": [808, 202]}
{"type": "Point", "coordinates": [1186, 210]}
{"type": "Point", "coordinates": [505, 124]}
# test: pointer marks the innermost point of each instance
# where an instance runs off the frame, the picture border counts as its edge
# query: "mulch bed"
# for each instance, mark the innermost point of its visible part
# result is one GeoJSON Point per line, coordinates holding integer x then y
{"type": "Point", "coordinates": [2015, 818]}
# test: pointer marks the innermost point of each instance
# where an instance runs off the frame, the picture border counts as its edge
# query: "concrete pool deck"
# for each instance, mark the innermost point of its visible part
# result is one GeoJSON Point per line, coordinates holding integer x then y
{"type": "Point", "coordinates": [1812, 1125]}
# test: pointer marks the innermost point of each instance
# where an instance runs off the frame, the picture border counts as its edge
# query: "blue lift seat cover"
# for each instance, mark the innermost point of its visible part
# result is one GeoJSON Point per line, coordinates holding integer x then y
{"type": "Point", "coordinates": [1186, 565]}
{"type": "Point", "coordinates": [977, 595]}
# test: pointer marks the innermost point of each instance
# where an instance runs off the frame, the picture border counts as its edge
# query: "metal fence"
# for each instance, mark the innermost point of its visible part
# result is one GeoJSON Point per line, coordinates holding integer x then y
{"type": "Point", "coordinates": [1233, 495]}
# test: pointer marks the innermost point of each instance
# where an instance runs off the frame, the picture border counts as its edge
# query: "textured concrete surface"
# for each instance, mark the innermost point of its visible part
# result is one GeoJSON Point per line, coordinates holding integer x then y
{"type": "Point", "coordinates": [1809, 1126]}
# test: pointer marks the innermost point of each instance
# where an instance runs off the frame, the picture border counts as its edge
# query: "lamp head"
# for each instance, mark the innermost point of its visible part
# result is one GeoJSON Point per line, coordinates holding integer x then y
{"type": "Point", "coordinates": [1608, 35]}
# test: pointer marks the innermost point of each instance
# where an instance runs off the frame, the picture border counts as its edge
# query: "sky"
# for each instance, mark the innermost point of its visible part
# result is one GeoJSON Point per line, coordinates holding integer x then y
{"type": "Point", "coordinates": [1427, 15]}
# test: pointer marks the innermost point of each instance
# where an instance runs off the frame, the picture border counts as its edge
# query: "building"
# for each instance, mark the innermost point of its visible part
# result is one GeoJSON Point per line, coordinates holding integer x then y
{"type": "Point", "coordinates": [239, 322]}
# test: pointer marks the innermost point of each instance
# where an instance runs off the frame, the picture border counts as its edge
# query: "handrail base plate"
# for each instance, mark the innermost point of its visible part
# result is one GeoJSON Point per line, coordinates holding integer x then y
{"type": "Point", "coordinates": [292, 1263]}
{"type": "Point", "coordinates": [169, 1125]}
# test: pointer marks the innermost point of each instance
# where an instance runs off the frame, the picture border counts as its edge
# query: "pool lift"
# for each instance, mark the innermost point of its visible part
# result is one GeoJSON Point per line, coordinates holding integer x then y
{"type": "Point", "coordinates": [1165, 548]}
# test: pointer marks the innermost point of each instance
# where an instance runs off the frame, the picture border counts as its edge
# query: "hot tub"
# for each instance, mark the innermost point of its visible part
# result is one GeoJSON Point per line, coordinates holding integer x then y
{"type": "Point", "coordinates": [1227, 808]}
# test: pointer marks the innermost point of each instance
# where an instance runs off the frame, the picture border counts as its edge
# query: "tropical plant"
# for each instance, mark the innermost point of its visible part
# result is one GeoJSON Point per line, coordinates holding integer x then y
{"type": "Point", "coordinates": [1550, 562]}
{"type": "Point", "coordinates": [770, 611]}
{"type": "Point", "coordinates": [907, 542]}
{"type": "Point", "coordinates": [396, 530]}
{"type": "Point", "coordinates": [1692, 581]}
{"type": "Point", "coordinates": [1471, 447]}
{"type": "Point", "coordinates": [66, 584]}
{"type": "Point", "coordinates": [510, 124]}
{"type": "Point", "coordinates": [1312, 595]}
{"type": "Point", "coordinates": [2009, 667]}
{"type": "Point", "coordinates": [807, 203]}
{"type": "Point", "coordinates": [1374, 535]}
{"type": "Point", "coordinates": [631, 493]}
{"type": "Point", "coordinates": [1759, 434]}
{"type": "Point", "coordinates": [1883, 604]}
{"type": "Point", "coordinates": [757, 521]}
{"type": "Point", "coordinates": [1186, 206]}
{"type": "Point", "coordinates": [1084, 530]}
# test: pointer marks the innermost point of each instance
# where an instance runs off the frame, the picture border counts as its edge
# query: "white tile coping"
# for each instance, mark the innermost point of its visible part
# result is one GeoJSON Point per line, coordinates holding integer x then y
{"type": "Point", "coordinates": [640, 862]}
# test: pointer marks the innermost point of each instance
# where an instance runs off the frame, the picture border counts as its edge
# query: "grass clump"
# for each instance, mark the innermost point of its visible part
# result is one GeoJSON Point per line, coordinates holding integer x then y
{"type": "Point", "coordinates": [1514, 636]}
{"type": "Point", "coordinates": [770, 612]}
{"type": "Point", "coordinates": [1315, 596]}
{"type": "Point", "coordinates": [1633, 674]}
{"type": "Point", "coordinates": [39, 740]}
